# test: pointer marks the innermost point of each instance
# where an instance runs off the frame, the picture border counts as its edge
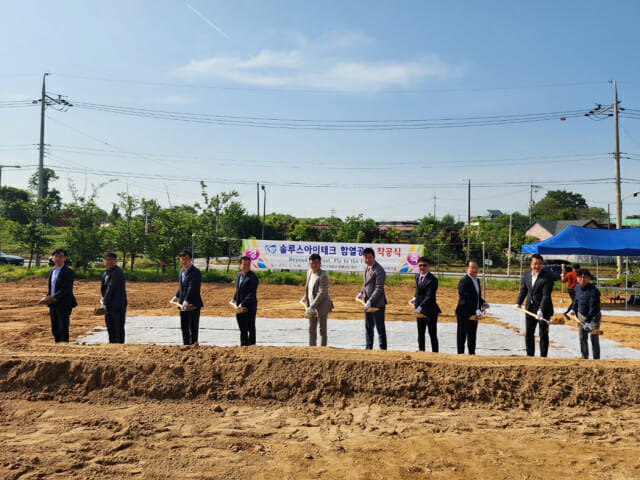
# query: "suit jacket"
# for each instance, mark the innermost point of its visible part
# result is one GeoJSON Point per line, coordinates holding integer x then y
{"type": "Point", "coordinates": [426, 295]}
{"type": "Point", "coordinates": [469, 300]}
{"type": "Point", "coordinates": [189, 288]}
{"type": "Point", "coordinates": [320, 293]}
{"type": "Point", "coordinates": [373, 286]}
{"type": "Point", "coordinates": [63, 289]}
{"type": "Point", "coordinates": [538, 295]}
{"type": "Point", "coordinates": [112, 287]}
{"type": "Point", "coordinates": [246, 290]}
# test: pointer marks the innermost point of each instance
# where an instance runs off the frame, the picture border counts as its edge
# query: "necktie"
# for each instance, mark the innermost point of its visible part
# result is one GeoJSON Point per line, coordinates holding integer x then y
{"type": "Point", "coordinates": [420, 279]}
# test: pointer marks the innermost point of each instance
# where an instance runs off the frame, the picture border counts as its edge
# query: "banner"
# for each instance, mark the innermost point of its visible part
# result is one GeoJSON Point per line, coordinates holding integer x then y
{"type": "Point", "coordinates": [344, 257]}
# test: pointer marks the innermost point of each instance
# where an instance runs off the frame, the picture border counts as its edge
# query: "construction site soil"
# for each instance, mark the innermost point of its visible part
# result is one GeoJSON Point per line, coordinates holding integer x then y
{"type": "Point", "coordinates": [160, 412]}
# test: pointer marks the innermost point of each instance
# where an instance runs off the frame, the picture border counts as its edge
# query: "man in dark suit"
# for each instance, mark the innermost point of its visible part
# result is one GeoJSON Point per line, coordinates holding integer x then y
{"type": "Point", "coordinates": [316, 298]}
{"type": "Point", "coordinates": [114, 298]}
{"type": "Point", "coordinates": [470, 302]}
{"type": "Point", "coordinates": [372, 294]}
{"type": "Point", "coordinates": [61, 289]}
{"type": "Point", "coordinates": [246, 297]}
{"type": "Point", "coordinates": [536, 286]}
{"type": "Point", "coordinates": [425, 304]}
{"type": "Point", "coordinates": [188, 294]}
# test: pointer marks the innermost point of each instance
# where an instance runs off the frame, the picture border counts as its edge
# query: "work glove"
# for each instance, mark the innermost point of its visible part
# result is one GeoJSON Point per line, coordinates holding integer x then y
{"type": "Point", "coordinates": [418, 309]}
{"type": "Point", "coordinates": [174, 299]}
{"type": "Point", "coordinates": [539, 315]}
{"type": "Point", "coordinates": [360, 296]}
{"type": "Point", "coordinates": [478, 313]}
{"type": "Point", "coordinates": [517, 305]}
{"type": "Point", "coordinates": [571, 312]}
{"type": "Point", "coordinates": [103, 306]}
{"type": "Point", "coordinates": [485, 306]}
{"type": "Point", "coordinates": [184, 305]}
{"type": "Point", "coordinates": [310, 311]}
{"type": "Point", "coordinates": [587, 326]}
{"type": "Point", "coordinates": [413, 300]}
{"type": "Point", "coordinates": [367, 306]}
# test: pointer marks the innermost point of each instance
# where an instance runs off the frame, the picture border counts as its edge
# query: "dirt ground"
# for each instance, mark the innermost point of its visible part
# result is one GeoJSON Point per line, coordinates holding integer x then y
{"type": "Point", "coordinates": [159, 412]}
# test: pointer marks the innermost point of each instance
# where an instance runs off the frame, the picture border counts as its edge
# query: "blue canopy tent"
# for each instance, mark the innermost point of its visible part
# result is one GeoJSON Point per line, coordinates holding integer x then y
{"type": "Point", "coordinates": [589, 241]}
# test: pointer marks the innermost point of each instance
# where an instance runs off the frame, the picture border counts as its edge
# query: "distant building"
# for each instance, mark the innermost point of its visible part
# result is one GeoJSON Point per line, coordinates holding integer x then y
{"type": "Point", "coordinates": [493, 214]}
{"type": "Point", "coordinates": [543, 229]}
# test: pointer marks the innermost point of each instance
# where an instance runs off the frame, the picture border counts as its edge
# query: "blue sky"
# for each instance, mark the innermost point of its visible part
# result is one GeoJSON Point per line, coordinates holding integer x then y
{"type": "Point", "coordinates": [303, 63]}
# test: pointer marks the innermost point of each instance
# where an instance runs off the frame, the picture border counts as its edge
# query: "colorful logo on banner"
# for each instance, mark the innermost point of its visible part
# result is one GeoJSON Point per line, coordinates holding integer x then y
{"type": "Point", "coordinates": [410, 264]}
{"type": "Point", "coordinates": [253, 252]}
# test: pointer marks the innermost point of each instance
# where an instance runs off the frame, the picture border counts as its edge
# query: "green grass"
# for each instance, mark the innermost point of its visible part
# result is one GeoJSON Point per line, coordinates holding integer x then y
{"type": "Point", "coordinates": [10, 273]}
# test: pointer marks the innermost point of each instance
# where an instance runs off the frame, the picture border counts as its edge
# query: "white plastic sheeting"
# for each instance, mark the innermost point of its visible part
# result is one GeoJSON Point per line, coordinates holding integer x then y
{"type": "Point", "coordinates": [492, 339]}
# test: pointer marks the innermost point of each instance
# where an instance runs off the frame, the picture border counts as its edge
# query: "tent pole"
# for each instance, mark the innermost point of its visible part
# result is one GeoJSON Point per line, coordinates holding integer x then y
{"type": "Point", "coordinates": [521, 260]}
{"type": "Point", "coordinates": [626, 283]}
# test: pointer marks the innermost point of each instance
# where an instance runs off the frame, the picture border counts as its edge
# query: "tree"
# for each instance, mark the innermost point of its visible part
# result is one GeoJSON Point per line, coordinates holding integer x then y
{"type": "Point", "coordinates": [441, 238]}
{"type": "Point", "coordinates": [12, 201]}
{"type": "Point", "coordinates": [172, 231]}
{"type": "Point", "coordinates": [129, 229]}
{"type": "Point", "coordinates": [84, 237]}
{"type": "Point", "coordinates": [32, 234]}
{"type": "Point", "coordinates": [209, 243]}
{"type": "Point", "coordinates": [55, 200]}
{"type": "Point", "coordinates": [357, 229]}
{"type": "Point", "coordinates": [231, 221]}
{"type": "Point", "coordinates": [562, 205]}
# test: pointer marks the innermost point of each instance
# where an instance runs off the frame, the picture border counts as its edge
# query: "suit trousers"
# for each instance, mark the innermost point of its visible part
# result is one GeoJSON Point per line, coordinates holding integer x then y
{"type": "Point", "coordinates": [466, 333]}
{"type": "Point", "coordinates": [430, 323]}
{"type": "Point", "coordinates": [60, 323]}
{"type": "Point", "coordinates": [319, 321]}
{"type": "Point", "coordinates": [572, 295]}
{"type": "Point", "coordinates": [595, 339]}
{"type": "Point", "coordinates": [189, 324]}
{"type": "Point", "coordinates": [247, 325]}
{"type": "Point", "coordinates": [114, 319]}
{"type": "Point", "coordinates": [371, 320]}
{"type": "Point", "coordinates": [530, 339]}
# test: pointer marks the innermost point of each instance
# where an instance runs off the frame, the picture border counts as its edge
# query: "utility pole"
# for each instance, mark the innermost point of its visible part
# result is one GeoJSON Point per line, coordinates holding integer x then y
{"type": "Point", "coordinates": [63, 105]}
{"type": "Point", "coordinates": [264, 210]}
{"type": "Point", "coordinates": [531, 202]}
{"type": "Point", "coordinates": [43, 105]}
{"type": "Point", "coordinates": [434, 206]}
{"type": "Point", "coordinates": [617, 155]}
{"type": "Point", "coordinates": [469, 219]}
{"type": "Point", "coordinates": [509, 247]}
{"type": "Point", "coordinates": [601, 112]}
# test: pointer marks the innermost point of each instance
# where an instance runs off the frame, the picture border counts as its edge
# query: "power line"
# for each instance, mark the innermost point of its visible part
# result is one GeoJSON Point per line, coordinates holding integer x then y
{"type": "Point", "coordinates": [317, 124]}
{"type": "Point", "coordinates": [180, 159]}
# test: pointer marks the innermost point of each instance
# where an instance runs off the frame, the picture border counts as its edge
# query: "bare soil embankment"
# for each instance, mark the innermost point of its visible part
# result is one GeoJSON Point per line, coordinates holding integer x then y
{"type": "Point", "coordinates": [120, 411]}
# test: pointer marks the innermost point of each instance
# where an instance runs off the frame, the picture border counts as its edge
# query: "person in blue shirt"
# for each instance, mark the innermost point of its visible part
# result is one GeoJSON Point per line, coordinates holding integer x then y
{"type": "Point", "coordinates": [586, 305]}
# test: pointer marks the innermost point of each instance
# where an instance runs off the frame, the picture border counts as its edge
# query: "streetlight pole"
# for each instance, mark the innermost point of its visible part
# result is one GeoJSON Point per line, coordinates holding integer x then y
{"type": "Point", "coordinates": [6, 166]}
{"type": "Point", "coordinates": [264, 209]}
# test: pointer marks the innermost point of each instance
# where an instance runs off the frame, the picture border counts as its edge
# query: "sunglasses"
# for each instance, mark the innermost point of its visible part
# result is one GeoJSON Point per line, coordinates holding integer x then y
{"type": "Point", "coordinates": [423, 264]}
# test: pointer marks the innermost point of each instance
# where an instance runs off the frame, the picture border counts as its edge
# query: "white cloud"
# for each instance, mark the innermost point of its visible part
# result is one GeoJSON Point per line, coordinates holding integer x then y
{"type": "Point", "coordinates": [327, 64]}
